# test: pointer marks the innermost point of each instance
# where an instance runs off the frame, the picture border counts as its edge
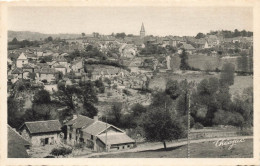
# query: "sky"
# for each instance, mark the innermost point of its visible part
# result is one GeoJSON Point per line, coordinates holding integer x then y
{"type": "Point", "coordinates": [161, 21]}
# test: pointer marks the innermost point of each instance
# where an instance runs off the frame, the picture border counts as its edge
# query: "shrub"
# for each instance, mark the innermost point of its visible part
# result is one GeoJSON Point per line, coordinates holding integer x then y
{"type": "Point", "coordinates": [109, 94]}
{"type": "Point", "coordinates": [198, 125]}
{"type": "Point", "coordinates": [62, 151]}
{"type": "Point", "coordinates": [127, 92]}
{"type": "Point", "coordinates": [44, 81]}
{"type": "Point", "coordinates": [79, 145]}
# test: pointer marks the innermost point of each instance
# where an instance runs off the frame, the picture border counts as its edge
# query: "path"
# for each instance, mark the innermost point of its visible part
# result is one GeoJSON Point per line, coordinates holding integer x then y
{"type": "Point", "coordinates": [155, 146]}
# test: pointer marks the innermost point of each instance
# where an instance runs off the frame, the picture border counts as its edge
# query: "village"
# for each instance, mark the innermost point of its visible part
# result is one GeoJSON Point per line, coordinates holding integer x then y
{"type": "Point", "coordinates": [123, 72]}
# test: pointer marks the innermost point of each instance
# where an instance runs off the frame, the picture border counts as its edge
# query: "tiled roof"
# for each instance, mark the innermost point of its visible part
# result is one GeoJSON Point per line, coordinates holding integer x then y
{"type": "Point", "coordinates": [22, 56]}
{"type": "Point", "coordinates": [59, 66]}
{"type": "Point", "coordinates": [46, 71]}
{"type": "Point", "coordinates": [112, 139]}
{"type": "Point", "coordinates": [43, 126]}
{"type": "Point", "coordinates": [17, 71]}
{"type": "Point", "coordinates": [96, 128]}
{"type": "Point", "coordinates": [80, 121]}
{"type": "Point", "coordinates": [27, 66]}
{"type": "Point", "coordinates": [187, 46]}
{"type": "Point", "coordinates": [16, 144]}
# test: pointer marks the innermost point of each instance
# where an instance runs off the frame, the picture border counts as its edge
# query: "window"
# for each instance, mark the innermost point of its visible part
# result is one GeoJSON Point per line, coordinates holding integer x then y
{"type": "Point", "coordinates": [70, 136]}
{"type": "Point", "coordinates": [92, 137]}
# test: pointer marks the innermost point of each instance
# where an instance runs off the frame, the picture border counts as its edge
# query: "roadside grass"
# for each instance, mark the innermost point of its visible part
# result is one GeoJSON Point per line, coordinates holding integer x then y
{"type": "Point", "coordinates": [197, 150]}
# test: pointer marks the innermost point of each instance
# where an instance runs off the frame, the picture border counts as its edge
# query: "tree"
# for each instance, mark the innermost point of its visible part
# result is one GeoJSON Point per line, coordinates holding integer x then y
{"type": "Point", "coordinates": [200, 35]}
{"type": "Point", "coordinates": [160, 125]}
{"type": "Point", "coordinates": [243, 63]}
{"type": "Point", "coordinates": [227, 74]}
{"type": "Point", "coordinates": [49, 39]}
{"type": "Point", "coordinates": [184, 60]}
{"type": "Point", "coordinates": [42, 97]}
{"type": "Point", "coordinates": [67, 95]}
{"type": "Point", "coordinates": [14, 113]}
{"type": "Point", "coordinates": [116, 112]}
{"type": "Point", "coordinates": [59, 76]}
{"type": "Point", "coordinates": [83, 34]}
{"type": "Point", "coordinates": [172, 89]}
{"type": "Point", "coordinates": [138, 110]}
{"type": "Point", "coordinates": [32, 75]}
{"type": "Point", "coordinates": [89, 99]}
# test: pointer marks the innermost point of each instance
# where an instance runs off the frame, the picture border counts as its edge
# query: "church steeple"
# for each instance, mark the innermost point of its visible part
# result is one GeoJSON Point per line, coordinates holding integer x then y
{"type": "Point", "coordinates": [142, 32]}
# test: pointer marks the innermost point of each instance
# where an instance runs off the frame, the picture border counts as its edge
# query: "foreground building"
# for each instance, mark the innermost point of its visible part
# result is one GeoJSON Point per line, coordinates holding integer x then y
{"type": "Point", "coordinates": [17, 145]}
{"type": "Point", "coordinates": [40, 133]}
{"type": "Point", "coordinates": [96, 134]}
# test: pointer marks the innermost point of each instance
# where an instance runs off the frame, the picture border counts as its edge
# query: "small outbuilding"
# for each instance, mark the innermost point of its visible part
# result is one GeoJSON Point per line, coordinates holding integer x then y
{"type": "Point", "coordinates": [40, 133]}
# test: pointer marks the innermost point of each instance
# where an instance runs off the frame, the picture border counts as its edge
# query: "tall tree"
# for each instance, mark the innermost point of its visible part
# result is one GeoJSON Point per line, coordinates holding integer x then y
{"type": "Point", "coordinates": [89, 99]}
{"type": "Point", "coordinates": [67, 95]}
{"type": "Point", "coordinates": [227, 75]}
{"type": "Point", "coordinates": [160, 125]}
{"type": "Point", "coordinates": [184, 60]}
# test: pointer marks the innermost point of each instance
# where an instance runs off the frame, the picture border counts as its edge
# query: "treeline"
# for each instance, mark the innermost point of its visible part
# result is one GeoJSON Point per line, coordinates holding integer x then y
{"type": "Point", "coordinates": [47, 107]}
{"type": "Point", "coordinates": [151, 49]}
{"type": "Point", "coordinates": [15, 44]}
{"type": "Point", "coordinates": [227, 34]}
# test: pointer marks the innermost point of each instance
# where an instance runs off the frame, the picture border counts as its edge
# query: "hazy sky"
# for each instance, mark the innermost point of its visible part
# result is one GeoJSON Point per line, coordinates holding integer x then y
{"type": "Point", "coordinates": [105, 20]}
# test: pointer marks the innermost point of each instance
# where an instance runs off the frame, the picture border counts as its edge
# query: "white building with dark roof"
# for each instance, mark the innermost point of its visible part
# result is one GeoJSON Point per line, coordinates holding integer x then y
{"type": "Point", "coordinates": [96, 134]}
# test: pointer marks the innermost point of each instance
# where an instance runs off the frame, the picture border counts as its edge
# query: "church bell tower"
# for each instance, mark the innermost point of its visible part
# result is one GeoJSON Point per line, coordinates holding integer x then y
{"type": "Point", "coordinates": [142, 31]}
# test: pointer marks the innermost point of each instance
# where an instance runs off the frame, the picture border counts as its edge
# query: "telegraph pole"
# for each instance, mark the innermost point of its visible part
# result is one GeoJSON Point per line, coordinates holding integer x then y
{"type": "Point", "coordinates": [106, 134]}
{"type": "Point", "coordinates": [188, 118]}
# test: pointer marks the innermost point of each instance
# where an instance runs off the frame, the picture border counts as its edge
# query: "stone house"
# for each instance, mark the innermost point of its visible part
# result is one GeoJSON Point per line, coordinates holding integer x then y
{"type": "Point", "coordinates": [40, 133]}
{"type": "Point", "coordinates": [21, 60]}
{"type": "Point", "coordinates": [96, 134]}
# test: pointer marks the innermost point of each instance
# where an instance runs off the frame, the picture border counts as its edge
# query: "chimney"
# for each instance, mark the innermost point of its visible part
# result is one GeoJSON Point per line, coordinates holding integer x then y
{"type": "Point", "coordinates": [95, 118]}
{"type": "Point", "coordinates": [75, 116]}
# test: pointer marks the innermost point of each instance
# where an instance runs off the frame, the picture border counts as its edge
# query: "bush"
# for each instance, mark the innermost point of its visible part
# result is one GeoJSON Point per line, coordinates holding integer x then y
{"type": "Point", "coordinates": [127, 92]}
{"type": "Point", "coordinates": [109, 94]}
{"type": "Point", "coordinates": [62, 151]}
{"type": "Point", "coordinates": [198, 125]}
{"type": "Point", "coordinates": [79, 145]}
{"type": "Point", "coordinates": [44, 81]}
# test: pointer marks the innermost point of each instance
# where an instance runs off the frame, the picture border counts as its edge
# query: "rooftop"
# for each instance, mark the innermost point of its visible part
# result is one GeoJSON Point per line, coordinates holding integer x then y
{"type": "Point", "coordinates": [43, 126]}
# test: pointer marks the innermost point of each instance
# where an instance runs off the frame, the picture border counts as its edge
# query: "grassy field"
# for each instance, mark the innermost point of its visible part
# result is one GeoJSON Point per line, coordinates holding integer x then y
{"type": "Point", "coordinates": [197, 150]}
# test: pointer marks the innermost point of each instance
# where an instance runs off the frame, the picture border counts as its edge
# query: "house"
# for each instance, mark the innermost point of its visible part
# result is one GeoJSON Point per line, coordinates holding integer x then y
{"type": "Point", "coordinates": [77, 66]}
{"type": "Point", "coordinates": [21, 60]}
{"type": "Point", "coordinates": [128, 51]}
{"type": "Point", "coordinates": [188, 48]}
{"type": "Point", "coordinates": [47, 74]}
{"type": "Point", "coordinates": [40, 133]}
{"type": "Point", "coordinates": [96, 134]}
{"type": "Point", "coordinates": [17, 74]}
{"type": "Point", "coordinates": [17, 145]}
{"type": "Point", "coordinates": [60, 68]}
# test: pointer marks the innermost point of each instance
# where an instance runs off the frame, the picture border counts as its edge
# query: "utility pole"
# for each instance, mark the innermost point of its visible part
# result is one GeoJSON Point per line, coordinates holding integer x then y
{"type": "Point", "coordinates": [106, 134]}
{"type": "Point", "coordinates": [188, 118]}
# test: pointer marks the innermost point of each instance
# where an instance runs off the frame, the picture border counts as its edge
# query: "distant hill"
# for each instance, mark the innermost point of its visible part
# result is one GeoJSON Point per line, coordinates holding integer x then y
{"type": "Point", "coordinates": [27, 35]}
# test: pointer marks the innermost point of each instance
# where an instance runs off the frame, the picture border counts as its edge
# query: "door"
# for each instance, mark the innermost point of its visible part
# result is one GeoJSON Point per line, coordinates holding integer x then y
{"type": "Point", "coordinates": [46, 141]}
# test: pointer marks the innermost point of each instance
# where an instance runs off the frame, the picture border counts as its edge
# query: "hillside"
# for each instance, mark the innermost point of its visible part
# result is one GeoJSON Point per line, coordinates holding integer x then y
{"type": "Point", "coordinates": [27, 35]}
